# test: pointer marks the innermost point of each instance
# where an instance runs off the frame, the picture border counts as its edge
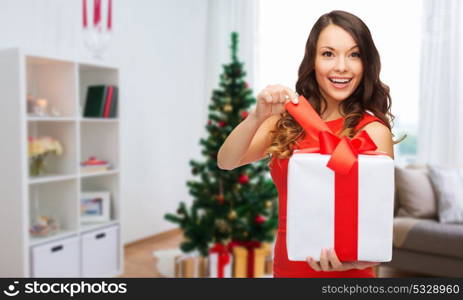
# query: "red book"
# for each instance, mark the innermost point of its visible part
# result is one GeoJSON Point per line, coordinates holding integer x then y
{"type": "Point", "coordinates": [109, 97]}
{"type": "Point", "coordinates": [93, 161]}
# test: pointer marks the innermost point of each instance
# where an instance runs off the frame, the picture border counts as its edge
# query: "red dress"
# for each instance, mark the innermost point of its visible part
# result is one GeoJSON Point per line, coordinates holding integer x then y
{"type": "Point", "coordinates": [282, 267]}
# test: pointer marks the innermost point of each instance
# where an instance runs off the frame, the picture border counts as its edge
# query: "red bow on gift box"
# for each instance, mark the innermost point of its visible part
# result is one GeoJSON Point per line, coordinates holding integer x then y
{"type": "Point", "coordinates": [223, 257]}
{"type": "Point", "coordinates": [224, 251]}
{"type": "Point", "coordinates": [344, 151]}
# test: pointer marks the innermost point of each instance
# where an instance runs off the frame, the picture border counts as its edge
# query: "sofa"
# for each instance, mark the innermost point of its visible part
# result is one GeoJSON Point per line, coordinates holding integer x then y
{"type": "Point", "coordinates": [428, 230]}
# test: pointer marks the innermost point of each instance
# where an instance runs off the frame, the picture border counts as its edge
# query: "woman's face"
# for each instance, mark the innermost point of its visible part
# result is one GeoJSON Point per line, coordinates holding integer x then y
{"type": "Point", "coordinates": [338, 67]}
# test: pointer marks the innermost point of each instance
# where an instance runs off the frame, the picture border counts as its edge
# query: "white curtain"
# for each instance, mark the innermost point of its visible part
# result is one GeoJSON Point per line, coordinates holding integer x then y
{"type": "Point", "coordinates": [224, 17]}
{"type": "Point", "coordinates": [440, 133]}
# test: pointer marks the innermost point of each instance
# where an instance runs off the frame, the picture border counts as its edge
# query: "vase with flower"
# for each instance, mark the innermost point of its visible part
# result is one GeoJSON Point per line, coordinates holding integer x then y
{"type": "Point", "coordinates": [39, 149]}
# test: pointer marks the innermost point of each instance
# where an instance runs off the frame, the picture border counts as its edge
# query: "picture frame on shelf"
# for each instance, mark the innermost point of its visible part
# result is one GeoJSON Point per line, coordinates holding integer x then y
{"type": "Point", "coordinates": [95, 206]}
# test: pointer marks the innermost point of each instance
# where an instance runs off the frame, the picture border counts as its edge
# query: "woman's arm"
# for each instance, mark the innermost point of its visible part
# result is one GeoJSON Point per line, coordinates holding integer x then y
{"type": "Point", "coordinates": [246, 143]}
{"type": "Point", "coordinates": [249, 140]}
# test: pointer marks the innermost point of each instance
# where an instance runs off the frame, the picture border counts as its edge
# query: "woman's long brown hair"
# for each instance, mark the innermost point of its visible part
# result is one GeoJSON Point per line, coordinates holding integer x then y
{"type": "Point", "coordinates": [371, 95]}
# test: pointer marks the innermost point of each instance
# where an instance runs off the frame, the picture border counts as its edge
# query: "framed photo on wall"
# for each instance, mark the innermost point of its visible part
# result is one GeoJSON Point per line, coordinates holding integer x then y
{"type": "Point", "coordinates": [95, 207]}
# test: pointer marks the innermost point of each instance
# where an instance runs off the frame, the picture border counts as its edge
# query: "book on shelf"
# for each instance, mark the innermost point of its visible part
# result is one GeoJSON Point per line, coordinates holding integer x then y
{"type": "Point", "coordinates": [101, 101]}
{"type": "Point", "coordinates": [93, 164]}
{"type": "Point", "coordinates": [113, 106]}
{"type": "Point", "coordinates": [109, 96]}
{"type": "Point", "coordinates": [94, 169]}
{"type": "Point", "coordinates": [95, 100]}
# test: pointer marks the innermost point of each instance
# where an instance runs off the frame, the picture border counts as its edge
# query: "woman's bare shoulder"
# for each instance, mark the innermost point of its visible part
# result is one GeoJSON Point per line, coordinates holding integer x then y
{"type": "Point", "coordinates": [381, 135]}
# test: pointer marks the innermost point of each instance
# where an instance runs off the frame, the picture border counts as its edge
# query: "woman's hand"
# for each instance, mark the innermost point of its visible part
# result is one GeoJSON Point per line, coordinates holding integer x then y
{"type": "Point", "coordinates": [329, 262]}
{"type": "Point", "coordinates": [271, 101]}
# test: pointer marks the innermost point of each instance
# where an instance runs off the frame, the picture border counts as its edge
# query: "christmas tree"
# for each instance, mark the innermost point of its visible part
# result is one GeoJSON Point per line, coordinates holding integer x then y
{"type": "Point", "coordinates": [237, 205]}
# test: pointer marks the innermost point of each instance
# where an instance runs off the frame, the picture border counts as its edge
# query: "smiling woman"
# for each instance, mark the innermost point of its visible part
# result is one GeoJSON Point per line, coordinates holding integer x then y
{"type": "Point", "coordinates": [279, 53]}
{"type": "Point", "coordinates": [339, 77]}
{"type": "Point", "coordinates": [338, 66]}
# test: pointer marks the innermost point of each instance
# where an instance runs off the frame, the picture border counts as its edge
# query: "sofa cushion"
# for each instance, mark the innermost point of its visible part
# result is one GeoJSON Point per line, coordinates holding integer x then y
{"type": "Point", "coordinates": [428, 236]}
{"type": "Point", "coordinates": [415, 194]}
{"type": "Point", "coordinates": [448, 184]}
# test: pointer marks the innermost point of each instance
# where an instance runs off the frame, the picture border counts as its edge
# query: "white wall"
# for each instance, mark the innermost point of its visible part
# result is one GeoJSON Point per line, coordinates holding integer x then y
{"type": "Point", "coordinates": [160, 47]}
{"type": "Point", "coordinates": [398, 45]}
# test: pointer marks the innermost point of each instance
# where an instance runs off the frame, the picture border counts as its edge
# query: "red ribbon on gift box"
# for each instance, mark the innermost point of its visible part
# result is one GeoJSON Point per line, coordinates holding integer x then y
{"type": "Point", "coordinates": [223, 258]}
{"type": "Point", "coordinates": [250, 247]}
{"type": "Point", "coordinates": [344, 162]}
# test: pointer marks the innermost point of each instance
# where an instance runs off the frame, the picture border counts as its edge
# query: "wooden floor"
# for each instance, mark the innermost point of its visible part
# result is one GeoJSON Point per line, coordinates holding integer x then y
{"type": "Point", "coordinates": [139, 260]}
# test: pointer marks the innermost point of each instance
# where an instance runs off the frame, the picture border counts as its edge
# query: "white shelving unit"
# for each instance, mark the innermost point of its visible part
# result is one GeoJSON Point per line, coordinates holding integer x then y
{"type": "Point", "coordinates": [78, 249]}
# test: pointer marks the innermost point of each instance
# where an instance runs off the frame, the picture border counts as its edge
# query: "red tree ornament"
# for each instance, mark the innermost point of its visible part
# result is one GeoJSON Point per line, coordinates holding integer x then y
{"type": "Point", "coordinates": [243, 179]}
{"type": "Point", "coordinates": [260, 219]}
{"type": "Point", "coordinates": [222, 123]}
{"type": "Point", "coordinates": [220, 198]}
{"type": "Point", "coordinates": [244, 114]}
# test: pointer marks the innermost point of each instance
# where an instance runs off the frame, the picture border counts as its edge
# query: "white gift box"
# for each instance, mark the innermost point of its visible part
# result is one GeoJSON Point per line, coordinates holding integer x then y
{"type": "Point", "coordinates": [311, 207]}
{"type": "Point", "coordinates": [213, 264]}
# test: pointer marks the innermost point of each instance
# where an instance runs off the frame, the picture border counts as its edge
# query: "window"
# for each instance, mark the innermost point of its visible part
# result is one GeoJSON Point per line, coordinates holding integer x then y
{"type": "Point", "coordinates": [284, 27]}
